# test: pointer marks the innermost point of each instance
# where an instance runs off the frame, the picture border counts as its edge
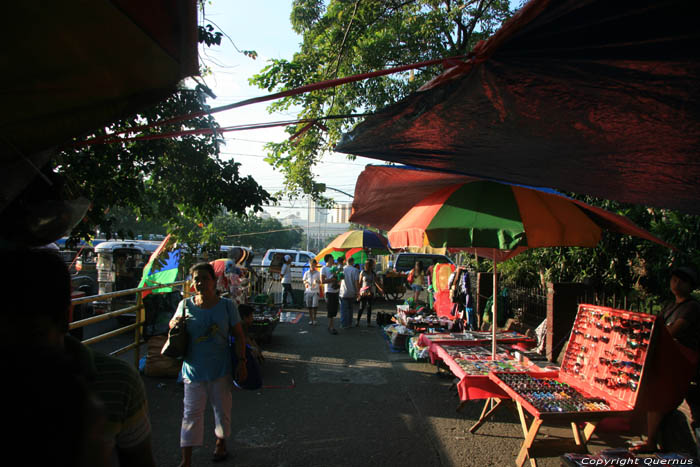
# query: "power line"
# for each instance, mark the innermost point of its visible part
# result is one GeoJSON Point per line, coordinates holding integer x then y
{"type": "Point", "coordinates": [262, 233]}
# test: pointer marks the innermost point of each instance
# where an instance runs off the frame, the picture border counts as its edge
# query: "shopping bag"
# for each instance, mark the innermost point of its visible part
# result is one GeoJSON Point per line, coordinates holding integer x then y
{"type": "Point", "coordinates": [176, 345]}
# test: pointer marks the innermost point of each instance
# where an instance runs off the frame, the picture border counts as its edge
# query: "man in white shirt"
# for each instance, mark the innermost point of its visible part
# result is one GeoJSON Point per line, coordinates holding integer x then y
{"type": "Point", "coordinates": [312, 284]}
{"type": "Point", "coordinates": [330, 283]}
{"type": "Point", "coordinates": [286, 280]}
{"type": "Point", "coordinates": [349, 290]}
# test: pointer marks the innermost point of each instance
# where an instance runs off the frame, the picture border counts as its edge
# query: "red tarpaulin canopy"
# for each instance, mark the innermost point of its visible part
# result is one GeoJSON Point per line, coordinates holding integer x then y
{"type": "Point", "coordinates": [589, 96]}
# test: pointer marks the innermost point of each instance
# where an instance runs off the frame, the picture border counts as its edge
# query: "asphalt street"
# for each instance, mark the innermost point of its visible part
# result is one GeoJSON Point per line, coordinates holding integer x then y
{"type": "Point", "coordinates": [344, 400]}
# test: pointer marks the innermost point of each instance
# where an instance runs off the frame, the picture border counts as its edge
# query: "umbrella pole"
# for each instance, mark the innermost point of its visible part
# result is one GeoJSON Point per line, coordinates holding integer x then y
{"type": "Point", "coordinates": [494, 310]}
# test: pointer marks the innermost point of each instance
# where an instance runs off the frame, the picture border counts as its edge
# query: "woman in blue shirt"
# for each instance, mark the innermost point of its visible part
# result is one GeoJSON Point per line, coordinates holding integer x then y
{"type": "Point", "coordinates": [206, 369]}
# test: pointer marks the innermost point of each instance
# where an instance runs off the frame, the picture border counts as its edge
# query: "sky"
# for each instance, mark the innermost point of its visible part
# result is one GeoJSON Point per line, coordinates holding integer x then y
{"type": "Point", "coordinates": [262, 26]}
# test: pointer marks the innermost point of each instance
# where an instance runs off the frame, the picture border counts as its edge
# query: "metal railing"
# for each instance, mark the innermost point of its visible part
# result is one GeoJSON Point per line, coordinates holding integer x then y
{"type": "Point", "coordinates": [622, 300]}
{"type": "Point", "coordinates": [528, 304]}
{"type": "Point", "coordinates": [138, 310]}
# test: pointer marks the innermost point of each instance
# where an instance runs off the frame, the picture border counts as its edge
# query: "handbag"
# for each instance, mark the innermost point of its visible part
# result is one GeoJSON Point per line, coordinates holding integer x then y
{"type": "Point", "coordinates": [176, 345]}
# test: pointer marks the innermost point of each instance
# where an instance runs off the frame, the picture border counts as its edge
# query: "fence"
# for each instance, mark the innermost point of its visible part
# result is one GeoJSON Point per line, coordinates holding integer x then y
{"type": "Point", "coordinates": [629, 301]}
{"type": "Point", "coordinates": [266, 282]}
{"type": "Point", "coordinates": [139, 317]}
{"type": "Point", "coordinates": [528, 305]}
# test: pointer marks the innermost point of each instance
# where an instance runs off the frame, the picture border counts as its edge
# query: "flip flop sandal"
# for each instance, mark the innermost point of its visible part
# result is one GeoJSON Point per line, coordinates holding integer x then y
{"type": "Point", "coordinates": [219, 457]}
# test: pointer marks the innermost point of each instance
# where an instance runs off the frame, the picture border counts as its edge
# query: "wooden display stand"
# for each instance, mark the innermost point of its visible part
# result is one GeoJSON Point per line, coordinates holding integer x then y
{"type": "Point", "coordinates": [601, 374]}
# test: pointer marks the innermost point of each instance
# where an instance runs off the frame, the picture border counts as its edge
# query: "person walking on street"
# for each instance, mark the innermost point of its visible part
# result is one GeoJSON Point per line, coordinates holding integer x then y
{"type": "Point", "coordinates": [368, 285]}
{"type": "Point", "coordinates": [312, 283]}
{"type": "Point", "coordinates": [418, 280]}
{"type": "Point", "coordinates": [286, 280]}
{"type": "Point", "coordinates": [349, 291]}
{"type": "Point", "coordinates": [331, 292]}
{"type": "Point", "coordinates": [206, 367]}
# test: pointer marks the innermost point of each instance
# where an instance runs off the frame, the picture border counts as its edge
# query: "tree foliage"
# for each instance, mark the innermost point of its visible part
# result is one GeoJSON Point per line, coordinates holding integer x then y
{"type": "Point", "coordinates": [619, 263]}
{"type": "Point", "coordinates": [177, 184]}
{"type": "Point", "coordinates": [181, 179]}
{"type": "Point", "coordinates": [343, 38]}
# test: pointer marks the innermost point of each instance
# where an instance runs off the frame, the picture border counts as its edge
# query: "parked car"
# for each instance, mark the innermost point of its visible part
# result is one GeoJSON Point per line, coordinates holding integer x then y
{"type": "Point", "coordinates": [299, 258]}
{"type": "Point", "coordinates": [404, 262]}
{"type": "Point", "coordinates": [274, 258]}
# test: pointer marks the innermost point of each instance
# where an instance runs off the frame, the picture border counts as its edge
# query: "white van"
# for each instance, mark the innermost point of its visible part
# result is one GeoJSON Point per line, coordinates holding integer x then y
{"type": "Point", "coordinates": [274, 258]}
{"type": "Point", "coordinates": [299, 258]}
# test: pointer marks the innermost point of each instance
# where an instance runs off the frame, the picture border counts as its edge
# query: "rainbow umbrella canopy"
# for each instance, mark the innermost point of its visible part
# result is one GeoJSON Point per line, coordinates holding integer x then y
{"type": "Point", "coordinates": [356, 244]}
{"type": "Point", "coordinates": [491, 215]}
{"type": "Point", "coordinates": [505, 219]}
{"type": "Point", "coordinates": [367, 239]}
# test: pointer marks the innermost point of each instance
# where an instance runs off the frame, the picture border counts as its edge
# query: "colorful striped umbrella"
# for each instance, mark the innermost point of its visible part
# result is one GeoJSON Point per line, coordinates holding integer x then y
{"type": "Point", "coordinates": [506, 219]}
{"type": "Point", "coordinates": [334, 252]}
{"type": "Point", "coordinates": [366, 239]}
{"type": "Point", "coordinates": [358, 254]}
{"type": "Point", "coordinates": [491, 215]}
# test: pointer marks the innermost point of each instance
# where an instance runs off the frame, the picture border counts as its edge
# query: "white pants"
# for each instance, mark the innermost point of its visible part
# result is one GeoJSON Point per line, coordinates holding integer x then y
{"type": "Point", "coordinates": [196, 394]}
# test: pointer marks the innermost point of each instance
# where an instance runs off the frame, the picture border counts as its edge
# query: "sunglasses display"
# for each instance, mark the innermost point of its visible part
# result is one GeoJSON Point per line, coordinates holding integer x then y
{"type": "Point", "coordinates": [476, 360]}
{"type": "Point", "coordinates": [616, 343]}
{"type": "Point", "coordinates": [551, 395]}
{"type": "Point", "coordinates": [601, 370]}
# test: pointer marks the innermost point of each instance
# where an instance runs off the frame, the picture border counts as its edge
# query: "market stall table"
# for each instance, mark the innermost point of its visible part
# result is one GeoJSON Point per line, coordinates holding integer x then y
{"type": "Point", "coordinates": [601, 374]}
{"type": "Point", "coordinates": [472, 364]}
{"type": "Point", "coordinates": [474, 338]}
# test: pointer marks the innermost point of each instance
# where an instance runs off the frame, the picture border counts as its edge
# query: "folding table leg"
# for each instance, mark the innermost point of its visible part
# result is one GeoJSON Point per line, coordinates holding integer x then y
{"type": "Point", "coordinates": [523, 418]}
{"type": "Point", "coordinates": [577, 434]}
{"type": "Point", "coordinates": [486, 412]}
{"type": "Point", "coordinates": [588, 430]}
{"type": "Point", "coordinates": [527, 444]}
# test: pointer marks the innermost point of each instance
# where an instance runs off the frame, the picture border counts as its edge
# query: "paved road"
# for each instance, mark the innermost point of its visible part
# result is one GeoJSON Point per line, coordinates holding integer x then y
{"type": "Point", "coordinates": [343, 400]}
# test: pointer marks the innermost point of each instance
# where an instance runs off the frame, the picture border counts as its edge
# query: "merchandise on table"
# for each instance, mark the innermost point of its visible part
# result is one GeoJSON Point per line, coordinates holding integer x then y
{"type": "Point", "coordinates": [397, 335]}
{"type": "Point", "coordinates": [551, 395]}
{"type": "Point", "coordinates": [444, 336]}
{"type": "Point", "coordinates": [416, 351]}
{"type": "Point", "coordinates": [603, 366]}
{"type": "Point", "coordinates": [607, 350]}
{"type": "Point", "coordinates": [479, 337]}
{"type": "Point", "coordinates": [422, 321]}
{"type": "Point", "coordinates": [484, 367]}
{"type": "Point", "coordinates": [477, 352]}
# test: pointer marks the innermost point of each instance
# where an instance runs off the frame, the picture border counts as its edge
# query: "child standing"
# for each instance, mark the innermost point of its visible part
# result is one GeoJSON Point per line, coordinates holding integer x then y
{"type": "Point", "coordinates": [312, 284]}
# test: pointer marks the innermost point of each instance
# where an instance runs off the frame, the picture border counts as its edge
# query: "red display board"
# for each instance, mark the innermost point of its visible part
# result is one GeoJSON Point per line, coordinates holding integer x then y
{"type": "Point", "coordinates": [601, 375]}
{"type": "Point", "coordinates": [604, 360]}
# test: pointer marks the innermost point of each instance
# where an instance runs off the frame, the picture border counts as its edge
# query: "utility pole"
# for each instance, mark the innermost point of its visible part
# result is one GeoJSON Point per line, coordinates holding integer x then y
{"type": "Point", "coordinates": [308, 220]}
